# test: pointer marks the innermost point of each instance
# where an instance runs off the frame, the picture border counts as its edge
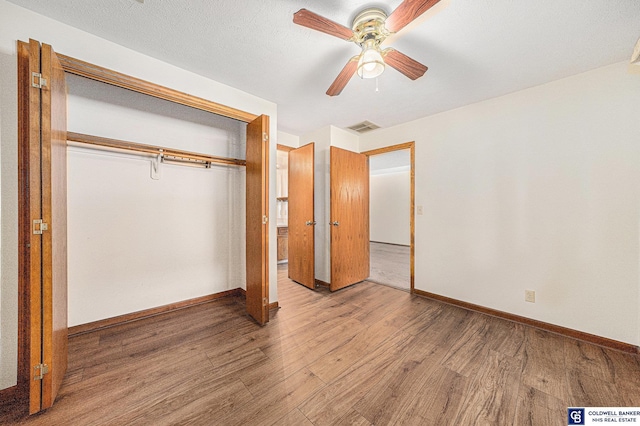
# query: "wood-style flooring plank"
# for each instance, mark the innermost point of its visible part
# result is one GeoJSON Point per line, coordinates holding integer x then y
{"type": "Point", "coordinates": [367, 354]}
{"type": "Point", "coordinates": [293, 418]}
{"type": "Point", "coordinates": [336, 399]}
{"type": "Point", "coordinates": [587, 391]}
{"type": "Point", "coordinates": [195, 402]}
{"type": "Point", "coordinates": [544, 363]}
{"type": "Point", "coordinates": [534, 408]}
{"type": "Point", "coordinates": [490, 400]}
{"type": "Point", "coordinates": [435, 401]}
{"type": "Point", "coordinates": [469, 352]}
{"type": "Point", "coordinates": [334, 363]}
{"type": "Point", "coordinates": [589, 359]}
{"type": "Point", "coordinates": [445, 392]}
{"type": "Point", "coordinates": [353, 418]}
{"type": "Point", "coordinates": [272, 406]}
{"type": "Point", "coordinates": [393, 392]}
{"type": "Point", "coordinates": [281, 365]}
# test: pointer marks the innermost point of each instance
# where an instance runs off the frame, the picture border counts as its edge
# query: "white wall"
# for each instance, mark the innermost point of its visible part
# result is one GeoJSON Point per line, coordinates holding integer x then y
{"type": "Point", "coordinates": [535, 190]}
{"type": "Point", "coordinates": [134, 242]}
{"type": "Point", "coordinates": [389, 208]}
{"type": "Point", "coordinates": [324, 138]}
{"type": "Point", "coordinates": [20, 24]}
{"type": "Point", "coordinates": [288, 139]}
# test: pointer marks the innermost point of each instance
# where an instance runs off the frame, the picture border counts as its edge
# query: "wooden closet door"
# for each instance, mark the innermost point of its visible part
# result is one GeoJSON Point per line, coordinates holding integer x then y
{"type": "Point", "coordinates": [43, 217]}
{"type": "Point", "coordinates": [301, 216]}
{"type": "Point", "coordinates": [30, 209]}
{"type": "Point", "coordinates": [54, 213]}
{"type": "Point", "coordinates": [257, 183]}
{"type": "Point", "coordinates": [349, 218]}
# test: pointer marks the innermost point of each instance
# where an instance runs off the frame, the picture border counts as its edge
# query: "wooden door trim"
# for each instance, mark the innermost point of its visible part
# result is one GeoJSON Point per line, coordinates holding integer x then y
{"type": "Point", "coordinates": [21, 391]}
{"type": "Point", "coordinates": [412, 215]}
{"type": "Point", "coordinates": [115, 78]}
{"type": "Point", "coordinates": [31, 246]}
{"type": "Point", "coordinates": [284, 148]}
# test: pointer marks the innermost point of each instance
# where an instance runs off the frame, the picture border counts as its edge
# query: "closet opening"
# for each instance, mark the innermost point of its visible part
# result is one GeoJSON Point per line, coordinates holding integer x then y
{"type": "Point", "coordinates": [166, 183]}
{"type": "Point", "coordinates": [156, 131]}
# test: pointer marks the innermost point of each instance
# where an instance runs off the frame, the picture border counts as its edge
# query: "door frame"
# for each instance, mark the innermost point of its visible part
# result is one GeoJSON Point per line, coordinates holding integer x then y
{"type": "Point", "coordinates": [412, 215]}
{"type": "Point", "coordinates": [81, 68]}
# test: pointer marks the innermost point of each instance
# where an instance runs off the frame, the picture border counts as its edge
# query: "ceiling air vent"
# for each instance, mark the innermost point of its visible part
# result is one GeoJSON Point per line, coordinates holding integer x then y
{"type": "Point", "coordinates": [363, 127]}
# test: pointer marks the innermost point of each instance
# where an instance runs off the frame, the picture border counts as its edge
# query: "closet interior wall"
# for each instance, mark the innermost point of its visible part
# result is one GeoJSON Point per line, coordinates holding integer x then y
{"type": "Point", "coordinates": [134, 242]}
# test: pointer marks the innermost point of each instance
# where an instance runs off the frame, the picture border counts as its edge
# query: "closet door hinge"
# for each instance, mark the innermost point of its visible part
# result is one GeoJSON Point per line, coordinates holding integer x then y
{"type": "Point", "coordinates": [265, 136]}
{"type": "Point", "coordinates": [265, 219]}
{"type": "Point", "coordinates": [265, 301]}
{"type": "Point", "coordinates": [39, 226]}
{"type": "Point", "coordinates": [37, 81]}
{"type": "Point", "coordinates": [40, 371]}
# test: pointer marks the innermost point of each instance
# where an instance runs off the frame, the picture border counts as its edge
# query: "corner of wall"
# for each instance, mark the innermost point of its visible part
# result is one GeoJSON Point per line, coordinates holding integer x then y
{"type": "Point", "coordinates": [288, 139]}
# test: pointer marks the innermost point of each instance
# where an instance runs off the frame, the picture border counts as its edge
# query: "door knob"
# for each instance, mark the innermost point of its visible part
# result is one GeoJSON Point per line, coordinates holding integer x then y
{"type": "Point", "coordinates": [310, 222]}
{"type": "Point", "coordinates": [336, 223]}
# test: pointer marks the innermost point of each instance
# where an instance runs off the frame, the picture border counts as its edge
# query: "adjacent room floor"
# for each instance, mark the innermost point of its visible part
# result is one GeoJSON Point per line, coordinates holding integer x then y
{"type": "Point", "coordinates": [390, 265]}
{"type": "Point", "coordinates": [368, 354]}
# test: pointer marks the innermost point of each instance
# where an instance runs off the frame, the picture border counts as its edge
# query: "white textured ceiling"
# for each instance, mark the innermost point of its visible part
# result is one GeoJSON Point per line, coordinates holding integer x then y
{"type": "Point", "coordinates": [475, 49]}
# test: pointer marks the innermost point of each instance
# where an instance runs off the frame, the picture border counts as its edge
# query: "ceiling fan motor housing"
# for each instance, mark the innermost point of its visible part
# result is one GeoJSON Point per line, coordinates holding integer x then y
{"type": "Point", "coordinates": [369, 25]}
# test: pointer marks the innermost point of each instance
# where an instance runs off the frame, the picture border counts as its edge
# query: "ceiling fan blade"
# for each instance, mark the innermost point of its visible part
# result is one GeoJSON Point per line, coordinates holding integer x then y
{"type": "Point", "coordinates": [343, 78]}
{"type": "Point", "coordinates": [407, 66]}
{"type": "Point", "coordinates": [314, 21]}
{"type": "Point", "coordinates": [407, 12]}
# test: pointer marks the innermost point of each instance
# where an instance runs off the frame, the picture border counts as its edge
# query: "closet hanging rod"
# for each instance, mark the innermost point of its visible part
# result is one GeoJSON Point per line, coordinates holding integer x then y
{"type": "Point", "coordinates": [150, 149]}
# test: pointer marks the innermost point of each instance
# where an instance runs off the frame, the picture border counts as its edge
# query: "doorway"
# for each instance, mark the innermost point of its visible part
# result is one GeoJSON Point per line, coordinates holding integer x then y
{"type": "Point", "coordinates": [392, 189]}
{"type": "Point", "coordinates": [398, 159]}
{"type": "Point", "coordinates": [347, 237]}
{"type": "Point", "coordinates": [282, 203]}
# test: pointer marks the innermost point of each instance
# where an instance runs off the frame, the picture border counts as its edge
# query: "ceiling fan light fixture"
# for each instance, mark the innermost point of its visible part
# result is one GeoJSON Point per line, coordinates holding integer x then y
{"type": "Point", "coordinates": [369, 30]}
{"type": "Point", "coordinates": [370, 64]}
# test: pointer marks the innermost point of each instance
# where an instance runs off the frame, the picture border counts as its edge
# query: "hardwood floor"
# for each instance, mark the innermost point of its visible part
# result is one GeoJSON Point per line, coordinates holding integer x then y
{"type": "Point", "coordinates": [368, 354]}
{"type": "Point", "coordinates": [390, 265]}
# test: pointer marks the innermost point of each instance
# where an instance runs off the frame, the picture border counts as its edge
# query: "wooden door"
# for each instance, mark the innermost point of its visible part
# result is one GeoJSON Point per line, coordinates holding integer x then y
{"type": "Point", "coordinates": [349, 220]}
{"type": "Point", "coordinates": [43, 154]}
{"type": "Point", "coordinates": [301, 216]}
{"type": "Point", "coordinates": [257, 183]}
{"type": "Point", "coordinates": [54, 213]}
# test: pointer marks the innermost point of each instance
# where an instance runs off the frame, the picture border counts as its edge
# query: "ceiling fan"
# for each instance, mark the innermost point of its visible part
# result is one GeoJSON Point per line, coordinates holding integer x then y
{"type": "Point", "coordinates": [368, 30]}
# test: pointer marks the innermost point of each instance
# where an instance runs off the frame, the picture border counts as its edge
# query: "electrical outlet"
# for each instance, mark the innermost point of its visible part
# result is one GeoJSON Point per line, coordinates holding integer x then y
{"type": "Point", "coordinates": [420, 210]}
{"type": "Point", "coordinates": [530, 296]}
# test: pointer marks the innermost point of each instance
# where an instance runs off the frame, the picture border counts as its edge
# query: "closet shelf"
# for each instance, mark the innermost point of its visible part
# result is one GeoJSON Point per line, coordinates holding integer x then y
{"type": "Point", "coordinates": [150, 149]}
